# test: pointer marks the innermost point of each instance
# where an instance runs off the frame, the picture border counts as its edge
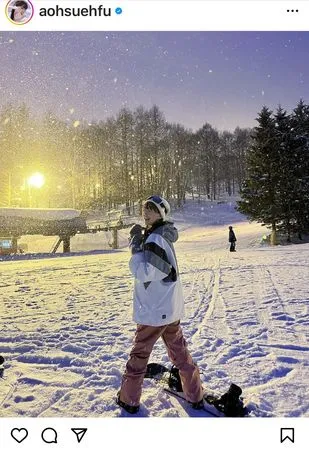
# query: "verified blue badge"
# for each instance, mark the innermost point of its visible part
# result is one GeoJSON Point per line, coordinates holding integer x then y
{"type": "Point", "coordinates": [118, 11]}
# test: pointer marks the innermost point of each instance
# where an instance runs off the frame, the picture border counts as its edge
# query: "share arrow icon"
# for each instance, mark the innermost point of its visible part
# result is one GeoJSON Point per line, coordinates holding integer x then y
{"type": "Point", "coordinates": [79, 432]}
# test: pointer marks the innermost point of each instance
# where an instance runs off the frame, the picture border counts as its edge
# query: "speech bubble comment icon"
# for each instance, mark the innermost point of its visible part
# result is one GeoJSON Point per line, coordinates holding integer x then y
{"type": "Point", "coordinates": [49, 435]}
{"type": "Point", "coordinates": [19, 434]}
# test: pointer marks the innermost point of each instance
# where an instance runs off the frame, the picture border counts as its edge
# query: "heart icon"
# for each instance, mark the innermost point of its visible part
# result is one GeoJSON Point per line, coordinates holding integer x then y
{"type": "Point", "coordinates": [19, 434]}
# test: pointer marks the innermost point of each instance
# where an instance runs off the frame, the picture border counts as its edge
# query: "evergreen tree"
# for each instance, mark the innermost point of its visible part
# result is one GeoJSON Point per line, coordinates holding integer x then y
{"type": "Point", "coordinates": [260, 199]}
{"type": "Point", "coordinates": [300, 164]}
{"type": "Point", "coordinates": [241, 144]}
{"type": "Point", "coordinates": [285, 188]}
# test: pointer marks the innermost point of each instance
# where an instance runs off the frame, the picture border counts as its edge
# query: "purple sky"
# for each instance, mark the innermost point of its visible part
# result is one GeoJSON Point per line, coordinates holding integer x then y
{"type": "Point", "coordinates": [223, 78]}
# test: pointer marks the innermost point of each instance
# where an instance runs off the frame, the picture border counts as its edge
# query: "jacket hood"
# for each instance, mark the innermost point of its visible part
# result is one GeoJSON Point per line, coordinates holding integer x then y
{"type": "Point", "coordinates": [167, 231]}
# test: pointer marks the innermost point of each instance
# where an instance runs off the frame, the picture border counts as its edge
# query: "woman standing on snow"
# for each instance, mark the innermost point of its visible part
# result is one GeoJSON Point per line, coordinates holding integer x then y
{"type": "Point", "coordinates": [158, 306]}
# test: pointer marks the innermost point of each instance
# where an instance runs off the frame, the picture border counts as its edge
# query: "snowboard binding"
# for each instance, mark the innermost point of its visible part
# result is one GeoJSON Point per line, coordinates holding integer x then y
{"type": "Point", "coordinates": [174, 381]}
{"type": "Point", "coordinates": [155, 370]}
{"type": "Point", "coordinates": [1, 366]}
{"type": "Point", "coordinates": [229, 403]}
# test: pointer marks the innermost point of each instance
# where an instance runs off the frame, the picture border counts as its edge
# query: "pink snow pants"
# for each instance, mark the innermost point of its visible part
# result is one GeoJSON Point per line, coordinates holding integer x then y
{"type": "Point", "coordinates": [145, 338]}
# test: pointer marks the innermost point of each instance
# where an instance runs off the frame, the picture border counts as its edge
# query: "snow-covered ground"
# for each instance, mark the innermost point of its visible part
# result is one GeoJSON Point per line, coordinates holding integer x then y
{"type": "Point", "coordinates": [66, 327]}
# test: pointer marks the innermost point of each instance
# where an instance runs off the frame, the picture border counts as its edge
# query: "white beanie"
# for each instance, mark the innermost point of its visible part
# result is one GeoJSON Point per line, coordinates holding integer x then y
{"type": "Point", "coordinates": [162, 205]}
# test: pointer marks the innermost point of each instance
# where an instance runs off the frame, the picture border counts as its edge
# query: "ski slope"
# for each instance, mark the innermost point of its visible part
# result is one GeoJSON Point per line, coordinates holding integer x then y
{"type": "Point", "coordinates": [66, 327]}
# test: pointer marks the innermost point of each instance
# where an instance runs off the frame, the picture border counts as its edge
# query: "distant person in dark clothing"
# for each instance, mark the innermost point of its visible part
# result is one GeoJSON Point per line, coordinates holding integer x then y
{"type": "Point", "coordinates": [232, 239]}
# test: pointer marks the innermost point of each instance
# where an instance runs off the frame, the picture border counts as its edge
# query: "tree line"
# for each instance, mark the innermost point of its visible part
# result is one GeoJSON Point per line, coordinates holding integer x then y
{"type": "Point", "coordinates": [119, 161]}
{"type": "Point", "coordinates": [276, 188]}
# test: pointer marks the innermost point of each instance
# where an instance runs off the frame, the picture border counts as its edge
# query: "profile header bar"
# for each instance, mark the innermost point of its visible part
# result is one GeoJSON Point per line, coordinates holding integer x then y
{"type": "Point", "coordinates": [130, 15]}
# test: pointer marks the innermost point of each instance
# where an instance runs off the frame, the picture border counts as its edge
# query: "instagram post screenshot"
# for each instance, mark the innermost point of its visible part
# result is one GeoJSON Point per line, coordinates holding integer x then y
{"type": "Point", "coordinates": [154, 224]}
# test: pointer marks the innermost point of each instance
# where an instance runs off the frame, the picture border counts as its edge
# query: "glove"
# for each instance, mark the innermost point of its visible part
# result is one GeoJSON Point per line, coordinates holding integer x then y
{"type": "Point", "coordinates": [136, 234]}
{"type": "Point", "coordinates": [137, 229]}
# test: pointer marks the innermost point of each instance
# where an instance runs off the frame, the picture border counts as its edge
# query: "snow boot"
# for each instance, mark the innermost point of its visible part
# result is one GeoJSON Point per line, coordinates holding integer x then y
{"type": "Point", "coordinates": [198, 405]}
{"type": "Point", "coordinates": [129, 408]}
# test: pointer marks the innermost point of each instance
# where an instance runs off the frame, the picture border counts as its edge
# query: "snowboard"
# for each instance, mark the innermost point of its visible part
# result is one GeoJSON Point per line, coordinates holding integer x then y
{"type": "Point", "coordinates": [229, 404]}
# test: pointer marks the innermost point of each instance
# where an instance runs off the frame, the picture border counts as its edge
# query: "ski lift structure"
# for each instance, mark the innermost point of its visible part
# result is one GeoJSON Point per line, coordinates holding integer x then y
{"type": "Point", "coordinates": [64, 223]}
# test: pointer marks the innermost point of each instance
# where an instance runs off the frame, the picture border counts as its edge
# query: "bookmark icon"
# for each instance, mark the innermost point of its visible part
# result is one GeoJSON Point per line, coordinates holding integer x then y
{"type": "Point", "coordinates": [287, 434]}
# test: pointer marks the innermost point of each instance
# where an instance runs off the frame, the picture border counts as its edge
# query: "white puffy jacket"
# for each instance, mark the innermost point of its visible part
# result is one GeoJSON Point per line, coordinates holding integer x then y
{"type": "Point", "coordinates": [158, 297]}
